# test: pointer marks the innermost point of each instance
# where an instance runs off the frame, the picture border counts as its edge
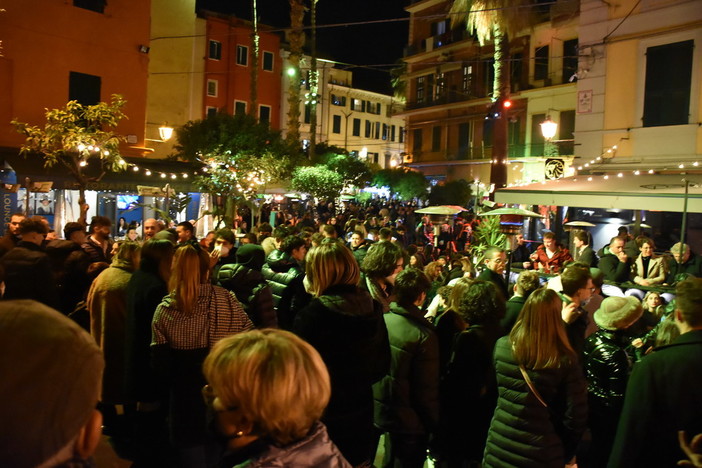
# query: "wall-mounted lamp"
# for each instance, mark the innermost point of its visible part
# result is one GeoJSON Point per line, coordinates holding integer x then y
{"type": "Point", "coordinates": [548, 128]}
{"type": "Point", "coordinates": [165, 132]}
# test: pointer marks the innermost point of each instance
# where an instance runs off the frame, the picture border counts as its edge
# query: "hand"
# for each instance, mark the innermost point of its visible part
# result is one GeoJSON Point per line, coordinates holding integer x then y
{"type": "Point", "coordinates": [623, 257]}
{"type": "Point", "coordinates": [570, 312]}
{"type": "Point", "coordinates": [526, 265]}
{"type": "Point", "coordinates": [534, 257]}
{"type": "Point", "coordinates": [84, 208]}
{"type": "Point", "coordinates": [692, 450]}
{"type": "Point", "coordinates": [214, 258]}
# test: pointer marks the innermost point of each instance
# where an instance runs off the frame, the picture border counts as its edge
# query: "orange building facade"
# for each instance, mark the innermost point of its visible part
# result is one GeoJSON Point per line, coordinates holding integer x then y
{"type": "Point", "coordinates": [54, 51]}
{"type": "Point", "coordinates": [228, 61]}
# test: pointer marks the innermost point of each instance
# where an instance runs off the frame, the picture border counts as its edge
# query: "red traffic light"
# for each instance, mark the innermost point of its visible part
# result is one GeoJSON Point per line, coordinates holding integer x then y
{"type": "Point", "coordinates": [507, 104]}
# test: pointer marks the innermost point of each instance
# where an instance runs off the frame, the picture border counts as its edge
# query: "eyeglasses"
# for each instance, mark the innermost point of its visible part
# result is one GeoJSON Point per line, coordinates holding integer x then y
{"type": "Point", "coordinates": [209, 396]}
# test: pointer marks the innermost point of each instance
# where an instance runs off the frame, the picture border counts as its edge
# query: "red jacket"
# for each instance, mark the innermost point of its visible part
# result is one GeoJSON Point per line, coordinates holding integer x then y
{"type": "Point", "coordinates": [552, 265]}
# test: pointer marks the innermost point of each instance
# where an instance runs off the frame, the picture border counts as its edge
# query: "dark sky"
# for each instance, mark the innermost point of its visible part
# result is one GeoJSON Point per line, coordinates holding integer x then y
{"type": "Point", "coordinates": [372, 49]}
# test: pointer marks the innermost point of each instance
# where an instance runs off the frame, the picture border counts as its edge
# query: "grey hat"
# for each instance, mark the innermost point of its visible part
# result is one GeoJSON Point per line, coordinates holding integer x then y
{"type": "Point", "coordinates": [618, 313]}
{"type": "Point", "coordinates": [51, 378]}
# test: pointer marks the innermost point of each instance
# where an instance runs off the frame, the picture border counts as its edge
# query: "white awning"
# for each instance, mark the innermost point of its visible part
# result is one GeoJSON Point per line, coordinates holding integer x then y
{"type": "Point", "coordinates": [657, 192]}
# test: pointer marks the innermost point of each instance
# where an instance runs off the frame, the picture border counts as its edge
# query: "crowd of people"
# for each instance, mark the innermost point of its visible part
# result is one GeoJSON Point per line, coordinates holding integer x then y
{"type": "Point", "coordinates": [312, 342]}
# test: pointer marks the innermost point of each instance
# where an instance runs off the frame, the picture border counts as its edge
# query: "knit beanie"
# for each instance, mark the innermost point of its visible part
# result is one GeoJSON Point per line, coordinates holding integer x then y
{"type": "Point", "coordinates": [251, 256]}
{"type": "Point", "coordinates": [51, 373]}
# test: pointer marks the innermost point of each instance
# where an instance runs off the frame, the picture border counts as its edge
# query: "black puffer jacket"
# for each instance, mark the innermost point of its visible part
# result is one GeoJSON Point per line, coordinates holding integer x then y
{"type": "Point", "coordinates": [285, 276]}
{"type": "Point", "coordinates": [607, 368]}
{"type": "Point", "coordinates": [252, 290]}
{"type": "Point", "coordinates": [347, 328]}
{"type": "Point", "coordinates": [523, 433]}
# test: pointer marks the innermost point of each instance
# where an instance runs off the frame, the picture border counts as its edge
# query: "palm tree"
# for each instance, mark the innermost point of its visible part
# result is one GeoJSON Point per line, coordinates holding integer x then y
{"type": "Point", "coordinates": [494, 21]}
{"type": "Point", "coordinates": [297, 40]}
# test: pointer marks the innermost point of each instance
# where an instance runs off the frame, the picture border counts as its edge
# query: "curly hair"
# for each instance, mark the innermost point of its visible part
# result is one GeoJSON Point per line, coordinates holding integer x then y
{"type": "Point", "coordinates": [479, 303]}
{"type": "Point", "coordinates": [381, 260]}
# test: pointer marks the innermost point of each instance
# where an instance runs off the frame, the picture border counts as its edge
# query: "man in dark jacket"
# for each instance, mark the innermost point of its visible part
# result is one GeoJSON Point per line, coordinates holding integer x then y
{"type": "Point", "coordinates": [527, 282]}
{"type": "Point", "coordinates": [683, 262]}
{"type": "Point", "coordinates": [284, 274]}
{"type": "Point", "coordinates": [359, 246]}
{"type": "Point", "coordinates": [407, 399]}
{"type": "Point", "coordinates": [495, 263]}
{"type": "Point", "coordinates": [577, 288]}
{"type": "Point", "coordinates": [245, 280]}
{"type": "Point", "coordinates": [28, 273]}
{"type": "Point", "coordinates": [664, 392]}
{"type": "Point", "coordinates": [98, 245]}
{"type": "Point", "coordinates": [11, 238]}
{"type": "Point", "coordinates": [70, 263]}
{"type": "Point", "coordinates": [616, 264]}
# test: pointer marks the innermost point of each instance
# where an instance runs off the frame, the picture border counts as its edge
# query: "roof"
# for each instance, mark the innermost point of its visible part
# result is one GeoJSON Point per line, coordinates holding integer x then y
{"type": "Point", "coordinates": [656, 192]}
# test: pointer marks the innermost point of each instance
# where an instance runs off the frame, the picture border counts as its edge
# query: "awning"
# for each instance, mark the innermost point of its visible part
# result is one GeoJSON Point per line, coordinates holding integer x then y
{"type": "Point", "coordinates": [656, 192]}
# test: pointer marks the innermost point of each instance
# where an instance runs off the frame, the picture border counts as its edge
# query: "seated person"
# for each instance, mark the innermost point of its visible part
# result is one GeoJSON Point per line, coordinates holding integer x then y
{"type": "Point", "coordinates": [583, 253]}
{"type": "Point", "coordinates": [550, 256]}
{"type": "Point", "coordinates": [684, 261]}
{"type": "Point", "coordinates": [615, 265]}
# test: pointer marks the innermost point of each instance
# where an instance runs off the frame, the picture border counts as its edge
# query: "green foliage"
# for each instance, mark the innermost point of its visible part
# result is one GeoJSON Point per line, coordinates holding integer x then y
{"type": "Point", "coordinates": [318, 181]}
{"type": "Point", "coordinates": [456, 192]}
{"type": "Point", "coordinates": [352, 170]}
{"type": "Point", "coordinates": [242, 155]}
{"type": "Point", "coordinates": [487, 234]}
{"type": "Point", "coordinates": [402, 182]}
{"type": "Point", "coordinates": [76, 134]}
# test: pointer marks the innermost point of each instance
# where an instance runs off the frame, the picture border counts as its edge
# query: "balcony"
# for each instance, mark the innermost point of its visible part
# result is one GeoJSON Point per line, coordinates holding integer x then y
{"type": "Point", "coordinates": [436, 42]}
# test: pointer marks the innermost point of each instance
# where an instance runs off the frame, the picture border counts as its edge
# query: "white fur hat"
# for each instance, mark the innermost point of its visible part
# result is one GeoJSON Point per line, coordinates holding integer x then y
{"type": "Point", "coordinates": [618, 313]}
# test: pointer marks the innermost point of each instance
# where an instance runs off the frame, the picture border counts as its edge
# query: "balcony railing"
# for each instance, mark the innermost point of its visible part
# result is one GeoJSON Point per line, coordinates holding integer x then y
{"type": "Point", "coordinates": [436, 42]}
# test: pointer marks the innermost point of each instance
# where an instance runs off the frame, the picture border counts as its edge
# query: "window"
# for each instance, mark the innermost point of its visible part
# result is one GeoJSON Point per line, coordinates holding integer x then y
{"type": "Point", "coordinates": [357, 127]}
{"type": "Point", "coordinates": [98, 6]}
{"type": "Point", "coordinates": [242, 55]}
{"type": "Point", "coordinates": [376, 133]}
{"type": "Point", "coordinates": [368, 129]}
{"type": "Point", "coordinates": [239, 108]}
{"type": "Point", "coordinates": [467, 83]}
{"type": "Point", "coordinates": [336, 124]}
{"type": "Point", "coordinates": [215, 50]}
{"type": "Point", "coordinates": [385, 131]}
{"type": "Point", "coordinates": [402, 134]}
{"type": "Point", "coordinates": [267, 61]}
{"type": "Point", "coordinates": [541, 63]}
{"type": "Point", "coordinates": [667, 93]}
{"type": "Point", "coordinates": [516, 72]}
{"type": "Point", "coordinates": [440, 85]}
{"type": "Point", "coordinates": [211, 111]}
{"type": "Point", "coordinates": [570, 60]}
{"type": "Point", "coordinates": [264, 114]}
{"type": "Point", "coordinates": [464, 139]}
{"type": "Point", "coordinates": [338, 100]}
{"type": "Point", "coordinates": [84, 88]}
{"type": "Point", "coordinates": [566, 128]}
{"type": "Point", "coordinates": [438, 27]}
{"type": "Point", "coordinates": [308, 113]}
{"type": "Point", "coordinates": [212, 86]}
{"type": "Point", "coordinates": [420, 89]}
{"type": "Point", "coordinates": [436, 139]}
{"type": "Point", "coordinates": [417, 140]}
{"type": "Point", "coordinates": [489, 75]}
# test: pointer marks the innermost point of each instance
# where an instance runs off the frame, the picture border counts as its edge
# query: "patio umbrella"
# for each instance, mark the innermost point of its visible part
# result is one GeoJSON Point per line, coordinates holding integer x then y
{"type": "Point", "coordinates": [511, 211]}
{"type": "Point", "coordinates": [579, 224]}
{"type": "Point", "coordinates": [446, 210]}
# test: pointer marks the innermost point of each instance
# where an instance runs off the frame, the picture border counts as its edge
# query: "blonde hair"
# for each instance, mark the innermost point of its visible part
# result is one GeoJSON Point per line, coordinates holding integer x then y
{"type": "Point", "coordinates": [539, 339]}
{"type": "Point", "coordinates": [277, 381]}
{"type": "Point", "coordinates": [329, 264]}
{"type": "Point", "coordinates": [191, 268]}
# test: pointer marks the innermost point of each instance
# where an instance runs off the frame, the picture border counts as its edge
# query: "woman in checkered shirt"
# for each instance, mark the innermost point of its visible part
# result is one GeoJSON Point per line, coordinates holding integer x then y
{"type": "Point", "coordinates": [187, 323]}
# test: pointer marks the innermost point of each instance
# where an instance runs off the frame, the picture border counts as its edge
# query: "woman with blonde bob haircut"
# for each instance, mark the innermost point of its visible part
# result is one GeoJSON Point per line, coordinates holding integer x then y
{"type": "Point", "coordinates": [346, 327]}
{"type": "Point", "coordinates": [541, 409]}
{"type": "Point", "coordinates": [269, 389]}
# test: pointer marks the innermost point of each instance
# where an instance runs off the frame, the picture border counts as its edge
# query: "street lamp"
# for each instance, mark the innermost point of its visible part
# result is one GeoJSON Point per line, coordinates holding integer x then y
{"type": "Point", "coordinates": [548, 128]}
{"type": "Point", "coordinates": [165, 132]}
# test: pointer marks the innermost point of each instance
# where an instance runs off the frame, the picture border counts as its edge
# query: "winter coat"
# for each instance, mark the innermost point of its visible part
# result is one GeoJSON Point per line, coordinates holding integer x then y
{"type": "Point", "coordinates": [70, 264]}
{"type": "Point", "coordinates": [586, 256]}
{"type": "Point", "coordinates": [28, 274]}
{"type": "Point", "coordinates": [615, 270]}
{"type": "Point", "coordinates": [663, 396]}
{"type": "Point", "coordinates": [607, 369]}
{"type": "Point", "coordinates": [496, 279]}
{"type": "Point", "coordinates": [253, 292]}
{"type": "Point", "coordinates": [285, 276]}
{"type": "Point", "coordinates": [107, 303]}
{"type": "Point", "coordinates": [523, 433]}
{"type": "Point", "coordinates": [469, 392]}
{"type": "Point", "coordinates": [96, 252]}
{"type": "Point", "coordinates": [145, 291]}
{"type": "Point", "coordinates": [407, 398]}
{"type": "Point", "coordinates": [657, 270]}
{"type": "Point", "coordinates": [180, 343]}
{"type": "Point", "coordinates": [316, 450]}
{"type": "Point", "coordinates": [347, 329]}
{"type": "Point", "coordinates": [515, 304]}
{"type": "Point", "coordinates": [693, 266]}
{"type": "Point", "coordinates": [555, 263]}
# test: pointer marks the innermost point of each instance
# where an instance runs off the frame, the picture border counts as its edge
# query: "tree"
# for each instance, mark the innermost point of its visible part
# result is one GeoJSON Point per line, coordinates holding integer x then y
{"type": "Point", "coordinates": [296, 38]}
{"type": "Point", "coordinates": [81, 138]}
{"type": "Point", "coordinates": [353, 171]}
{"type": "Point", "coordinates": [402, 182]}
{"type": "Point", "coordinates": [319, 181]}
{"type": "Point", "coordinates": [456, 192]}
{"type": "Point", "coordinates": [241, 156]}
{"type": "Point", "coordinates": [494, 20]}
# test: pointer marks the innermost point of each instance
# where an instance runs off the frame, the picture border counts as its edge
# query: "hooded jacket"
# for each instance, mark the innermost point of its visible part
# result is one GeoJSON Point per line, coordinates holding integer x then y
{"type": "Point", "coordinates": [285, 276]}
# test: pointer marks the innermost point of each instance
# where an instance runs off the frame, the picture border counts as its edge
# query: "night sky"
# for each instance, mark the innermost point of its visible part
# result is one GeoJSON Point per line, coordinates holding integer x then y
{"type": "Point", "coordinates": [372, 49]}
